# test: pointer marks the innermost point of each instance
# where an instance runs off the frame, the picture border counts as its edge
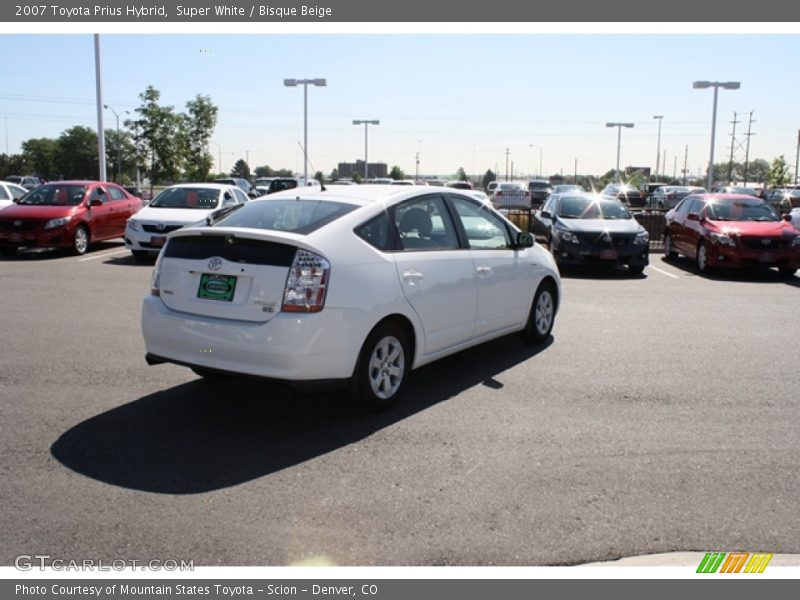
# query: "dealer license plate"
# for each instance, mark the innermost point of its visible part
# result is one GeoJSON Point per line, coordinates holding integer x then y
{"type": "Point", "coordinates": [608, 255]}
{"type": "Point", "coordinates": [158, 241]}
{"type": "Point", "coordinates": [217, 287]}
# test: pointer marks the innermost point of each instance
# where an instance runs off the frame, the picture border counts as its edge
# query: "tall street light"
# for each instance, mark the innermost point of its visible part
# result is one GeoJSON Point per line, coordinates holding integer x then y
{"type": "Point", "coordinates": [305, 83]}
{"type": "Point", "coordinates": [725, 85]}
{"type": "Point", "coordinates": [366, 123]}
{"type": "Point", "coordinates": [119, 142]}
{"type": "Point", "coordinates": [539, 174]}
{"type": "Point", "coordinates": [619, 127]}
{"type": "Point", "coordinates": [658, 145]}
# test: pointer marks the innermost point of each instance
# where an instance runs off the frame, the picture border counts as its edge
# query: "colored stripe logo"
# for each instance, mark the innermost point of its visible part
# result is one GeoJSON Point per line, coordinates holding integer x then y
{"type": "Point", "coordinates": [734, 562]}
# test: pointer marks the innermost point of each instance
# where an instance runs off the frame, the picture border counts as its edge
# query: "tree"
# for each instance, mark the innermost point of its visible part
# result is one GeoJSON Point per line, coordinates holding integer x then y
{"type": "Point", "coordinates": [264, 171]}
{"type": "Point", "coordinates": [199, 123]}
{"type": "Point", "coordinates": [397, 173]}
{"type": "Point", "coordinates": [488, 177]}
{"type": "Point", "coordinates": [13, 164]}
{"type": "Point", "coordinates": [357, 177]}
{"type": "Point", "coordinates": [241, 169]}
{"type": "Point", "coordinates": [461, 175]}
{"type": "Point", "coordinates": [319, 177]}
{"type": "Point", "coordinates": [40, 155]}
{"type": "Point", "coordinates": [158, 131]}
{"type": "Point", "coordinates": [757, 170]}
{"type": "Point", "coordinates": [779, 172]}
{"type": "Point", "coordinates": [76, 156]}
{"type": "Point", "coordinates": [120, 145]}
{"type": "Point", "coordinates": [334, 174]}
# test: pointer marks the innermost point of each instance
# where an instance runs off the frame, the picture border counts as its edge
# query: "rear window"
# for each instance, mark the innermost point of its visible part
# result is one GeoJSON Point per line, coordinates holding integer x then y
{"type": "Point", "coordinates": [296, 216]}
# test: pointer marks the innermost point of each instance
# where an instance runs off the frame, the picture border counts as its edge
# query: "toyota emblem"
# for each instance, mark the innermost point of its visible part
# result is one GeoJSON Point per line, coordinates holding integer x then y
{"type": "Point", "coordinates": [161, 227]}
{"type": "Point", "coordinates": [17, 223]}
{"type": "Point", "coordinates": [766, 242]}
{"type": "Point", "coordinates": [215, 264]}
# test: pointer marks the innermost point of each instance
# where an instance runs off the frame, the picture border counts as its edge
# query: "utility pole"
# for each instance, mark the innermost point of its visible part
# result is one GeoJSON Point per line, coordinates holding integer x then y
{"type": "Point", "coordinates": [685, 162]}
{"type": "Point", "coordinates": [507, 153]}
{"type": "Point", "coordinates": [797, 157]}
{"type": "Point", "coordinates": [733, 141]}
{"type": "Point", "coordinates": [747, 152]}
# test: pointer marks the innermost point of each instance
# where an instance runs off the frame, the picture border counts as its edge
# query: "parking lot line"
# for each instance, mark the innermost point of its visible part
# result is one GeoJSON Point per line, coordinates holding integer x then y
{"type": "Point", "coordinates": [668, 274]}
{"type": "Point", "coordinates": [96, 256]}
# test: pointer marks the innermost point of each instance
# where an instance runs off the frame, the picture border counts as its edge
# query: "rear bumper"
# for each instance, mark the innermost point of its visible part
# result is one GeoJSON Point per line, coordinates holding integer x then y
{"type": "Point", "coordinates": [297, 349]}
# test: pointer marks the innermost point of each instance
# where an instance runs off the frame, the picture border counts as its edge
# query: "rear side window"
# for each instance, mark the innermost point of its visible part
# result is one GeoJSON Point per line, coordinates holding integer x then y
{"type": "Point", "coordinates": [296, 216]}
{"type": "Point", "coordinates": [376, 232]}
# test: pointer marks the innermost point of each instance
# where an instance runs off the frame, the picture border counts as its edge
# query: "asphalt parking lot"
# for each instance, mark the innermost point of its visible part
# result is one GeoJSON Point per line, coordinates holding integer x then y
{"type": "Point", "coordinates": [662, 416]}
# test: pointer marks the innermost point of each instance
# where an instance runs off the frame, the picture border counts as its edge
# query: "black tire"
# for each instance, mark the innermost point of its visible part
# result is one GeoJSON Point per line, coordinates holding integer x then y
{"type": "Point", "coordinates": [140, 255]}
{"type": "Point", "coordinates": [80, 240]}
{"type": "Point", "coordinates": [383, 367]}
{"type": "Point", "coordinates": [669, 249]}
{"type": "Point", "coordinates": [542, 314]}
{"type": "Point", "coordinates": [8, 251]}
{"type": "Point", "coordinates": [701, 258]}
{"type": "Point", "coordinates": [635, 269]}
{"type": "Point", "coordinates": [787, 272]}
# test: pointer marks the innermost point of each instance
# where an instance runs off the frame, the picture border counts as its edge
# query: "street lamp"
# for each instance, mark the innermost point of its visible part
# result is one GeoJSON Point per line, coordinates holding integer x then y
{"type": "Point", "coordinates": [366, 124]}
{"type": "Point", "coordinates": [219, 148]}
{"type": "Point", "coordinates": [658, 146]}
{"type": "Point", "coordinates": [619, 127]}
{"type": "Point", "coordinates": [726, 85]}
{"type": "Point", "coordinates": [119, 142]}
{"type": "Point", "coordinates": [305, 83]}
{"type": "Point", "coordinates": [539, 174]}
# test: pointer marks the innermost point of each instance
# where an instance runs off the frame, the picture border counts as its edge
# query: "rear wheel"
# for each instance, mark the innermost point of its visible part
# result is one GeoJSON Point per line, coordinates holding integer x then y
{"type": "Point", "coordinates": [80, 240]}
{"type": "Point", "coordinates": [7, 251]}
{"type": "Point", "coordinates": [383, 367]}
{"type": "Point", "coordinates": [669, 249]}
{"type": "Point", "coordinates": [635, 269]}
{"type": "Point", "coordinates": [542, 315]}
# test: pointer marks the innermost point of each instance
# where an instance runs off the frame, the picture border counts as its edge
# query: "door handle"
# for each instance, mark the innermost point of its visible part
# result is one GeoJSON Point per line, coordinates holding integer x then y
{"type": "Point", "coordinates": [412, 276]}
{"type": "Point", "coordinates": [484, 270]}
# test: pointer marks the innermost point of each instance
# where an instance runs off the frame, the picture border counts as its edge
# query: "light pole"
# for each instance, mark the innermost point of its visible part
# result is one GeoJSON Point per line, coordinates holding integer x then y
{"type": "Point", "coordinates": [726, 85]}
{"type": "Point", "coordinates": [366, 123]}
{"type": "Point", "coordinates": [305, 83]}
{"type": "Point", "coordinates": [619, 127]}
{"type": "Point", "coordinates": [539, 174]}
{"type": "Point", "coordinates": [119, 142]}
{"type": "Point", "coordinates": [658, 145]}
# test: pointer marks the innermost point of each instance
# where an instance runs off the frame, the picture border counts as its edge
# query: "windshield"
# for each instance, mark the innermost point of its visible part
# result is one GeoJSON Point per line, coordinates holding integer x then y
{"type": "Point", "coordinates": [296, 216]}
{"type": "Point", "coordinates": [583, 207]}
{"type": "Point", "coordinates": [55, 195]}
{"type": "Point", "coordinates": [184, 197]}
{"type": "Point", "coordinates": [741, 210]}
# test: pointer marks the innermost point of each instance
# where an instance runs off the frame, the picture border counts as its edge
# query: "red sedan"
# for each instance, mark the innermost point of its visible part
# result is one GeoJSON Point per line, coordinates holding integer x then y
{"type": "Point", "coordinates": [731, 230]}
{"type": "Point", "coordinates": [67, 214]}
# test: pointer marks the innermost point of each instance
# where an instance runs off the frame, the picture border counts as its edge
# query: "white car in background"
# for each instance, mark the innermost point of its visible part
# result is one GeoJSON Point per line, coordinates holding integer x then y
{"type": "Point", "coordinates": [346, 286]}
{"type": "Point", "coordinates": [176, 206]}
{"type": "Point", "coordinates": [9, 192]}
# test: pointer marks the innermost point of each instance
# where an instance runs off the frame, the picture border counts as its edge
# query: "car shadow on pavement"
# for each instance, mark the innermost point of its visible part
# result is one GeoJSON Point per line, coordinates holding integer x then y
{"type": "Point", "coordinates": [27, 254]}
{"type": "Point", "coordinates": [748, 275]}
{"type": "Point", "coordinates": [606, 273]}
{"type": "Point", "coordinates": [202, 436]}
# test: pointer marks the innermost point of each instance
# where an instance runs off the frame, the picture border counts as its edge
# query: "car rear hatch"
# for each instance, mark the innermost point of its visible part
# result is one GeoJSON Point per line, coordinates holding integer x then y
{"type": "Point", "coordinates": [226, 274]}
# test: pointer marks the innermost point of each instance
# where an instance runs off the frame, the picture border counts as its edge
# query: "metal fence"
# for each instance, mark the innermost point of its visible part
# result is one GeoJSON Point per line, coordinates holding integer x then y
{"type": "Point", "coordinates": [651, 219]}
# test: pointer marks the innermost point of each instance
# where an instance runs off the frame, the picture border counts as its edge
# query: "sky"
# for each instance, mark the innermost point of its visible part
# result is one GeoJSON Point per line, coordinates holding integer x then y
{"type": "Point", "coordinates": [455, 100]}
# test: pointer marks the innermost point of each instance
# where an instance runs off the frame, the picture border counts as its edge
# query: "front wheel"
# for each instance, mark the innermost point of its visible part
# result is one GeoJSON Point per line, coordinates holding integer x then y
{"type": "Point", "coordinates": [80, 240]}
{"type": "Point", "coordinates": [382, 368]}
{"type": "Point", "coordinates": [542, 315]}
{"type": "Point", "coordinates": [702, 260]}
{"type": "Point", "coordinates": [787, 272]}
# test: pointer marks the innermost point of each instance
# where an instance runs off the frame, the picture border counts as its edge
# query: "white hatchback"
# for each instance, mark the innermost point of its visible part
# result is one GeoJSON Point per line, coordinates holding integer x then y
{"type": "Point", "coordinates": [346, 285]}
{"type": "Point", "coordinates": [176, 206]}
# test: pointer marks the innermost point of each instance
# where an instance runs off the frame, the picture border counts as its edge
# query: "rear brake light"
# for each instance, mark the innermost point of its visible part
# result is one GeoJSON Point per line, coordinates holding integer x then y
{"type": "Point", "coordinates": [306, 283]}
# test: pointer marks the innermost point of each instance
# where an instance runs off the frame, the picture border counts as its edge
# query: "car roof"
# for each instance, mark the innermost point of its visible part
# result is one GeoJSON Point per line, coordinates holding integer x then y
{"type": "Point", "coordinates": [213, 186]}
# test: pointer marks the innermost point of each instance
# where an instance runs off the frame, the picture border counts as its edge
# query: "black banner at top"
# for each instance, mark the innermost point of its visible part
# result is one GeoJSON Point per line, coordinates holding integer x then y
{"type": "Point", "coordinates": [406, 11]}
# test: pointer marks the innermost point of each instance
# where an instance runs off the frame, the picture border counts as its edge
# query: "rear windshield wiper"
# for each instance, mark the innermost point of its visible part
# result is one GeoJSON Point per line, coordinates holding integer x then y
{"type": "Point", "coordinates": [222, 212]}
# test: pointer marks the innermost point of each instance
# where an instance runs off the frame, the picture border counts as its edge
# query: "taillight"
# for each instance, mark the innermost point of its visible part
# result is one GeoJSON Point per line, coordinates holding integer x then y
{"type": "Point", "coordinates": [306, 283]}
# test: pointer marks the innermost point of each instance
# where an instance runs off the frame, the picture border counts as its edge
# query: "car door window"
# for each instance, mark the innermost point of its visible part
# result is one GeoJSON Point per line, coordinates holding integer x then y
{"type": "Point", "coordinates": [483, 229]}
{"type": "Point", "coordinates": [425, 224]}
{"type": "Point", "coordinates": [240, 196]}
{"type": "Point", "coordinates": [116, 193]}
{"type": "Point", "coordinates": [4, 195]}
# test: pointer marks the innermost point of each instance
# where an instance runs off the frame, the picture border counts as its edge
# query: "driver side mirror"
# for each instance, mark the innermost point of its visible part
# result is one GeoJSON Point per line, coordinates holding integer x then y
{"type": "Point", "coordinates": [524, 240]}
{"type": "Point", "coordinates": [545, 214]}
{"type": "Point", "coordinates": [787, 217]}
{"type": "Point", "coordinates": [693, 217]}
{"type": "Point", "coordinates": [95, 202]}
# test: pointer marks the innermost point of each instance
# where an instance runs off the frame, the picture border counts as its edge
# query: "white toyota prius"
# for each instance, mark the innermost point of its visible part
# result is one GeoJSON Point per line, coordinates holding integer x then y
{"type": "Point", "coordinates": [352, 286]}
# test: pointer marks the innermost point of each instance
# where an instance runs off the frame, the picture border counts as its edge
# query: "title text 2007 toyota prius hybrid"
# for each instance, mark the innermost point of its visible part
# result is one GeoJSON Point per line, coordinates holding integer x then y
{"type": "Point", "coordinates": [356, 286]}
